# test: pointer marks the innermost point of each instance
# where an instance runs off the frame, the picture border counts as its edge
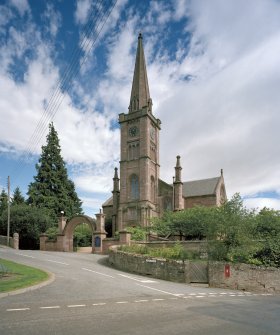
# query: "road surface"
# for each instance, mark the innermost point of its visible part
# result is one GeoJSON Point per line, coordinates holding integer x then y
{"type": "Point", "coordinates": [87, 297]}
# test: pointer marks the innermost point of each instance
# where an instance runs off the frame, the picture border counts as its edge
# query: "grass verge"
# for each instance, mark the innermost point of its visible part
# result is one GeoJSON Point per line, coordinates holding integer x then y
{"type": "Point", "coordinates": [14, 276]}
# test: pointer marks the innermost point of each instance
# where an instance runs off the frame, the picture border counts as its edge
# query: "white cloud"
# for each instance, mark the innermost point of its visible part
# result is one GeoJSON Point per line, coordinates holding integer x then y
{"type": "Point", "coordinates": [259, 203]}
{"type": "Point", "coordinates": [21, 5]}
{"type": "Point", "coordinates": [226, 116]}
{"type": "Point", "coordinates": [54, 18]}
{"type": "Point", "coordinates": [82, 11]}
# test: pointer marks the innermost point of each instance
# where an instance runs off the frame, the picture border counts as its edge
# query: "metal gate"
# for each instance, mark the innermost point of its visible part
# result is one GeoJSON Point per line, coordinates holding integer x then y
{"type": "Point", "coordinates": [199, 272]}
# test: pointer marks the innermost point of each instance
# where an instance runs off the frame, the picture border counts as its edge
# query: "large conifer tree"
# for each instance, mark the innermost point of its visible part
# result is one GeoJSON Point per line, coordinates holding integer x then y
{"type": "Point", "coordinates": [52, 188]}
{"type": "Point", "coordinates": [18, 198]}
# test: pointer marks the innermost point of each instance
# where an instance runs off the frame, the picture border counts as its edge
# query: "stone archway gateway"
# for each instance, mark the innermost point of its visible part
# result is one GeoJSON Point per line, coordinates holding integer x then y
{"type": "Point", "coordinates": [64, 239]}
{"type": "Point", "coordinates": [68, 229]}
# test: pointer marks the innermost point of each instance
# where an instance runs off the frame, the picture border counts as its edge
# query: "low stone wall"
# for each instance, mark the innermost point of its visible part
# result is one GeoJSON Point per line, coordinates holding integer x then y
{"type": "Point", "coordinates": [13, 241]}
{"type": "Point", "coordinates": [244, 277]}
{"type": "Point", "coordinates": [157, 268]}
{"type": "Point", "coordinates": [221, 275]}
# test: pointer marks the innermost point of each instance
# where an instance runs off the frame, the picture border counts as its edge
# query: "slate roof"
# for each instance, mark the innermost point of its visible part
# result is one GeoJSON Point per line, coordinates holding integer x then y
{"type": "Point", "coordinates": [108, 202]}
{"type": "Point", "coordinates": [201, 187]}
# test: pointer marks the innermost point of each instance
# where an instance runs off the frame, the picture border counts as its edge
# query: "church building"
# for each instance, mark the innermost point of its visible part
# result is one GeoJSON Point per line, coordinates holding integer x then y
{"type": "Point", "coordinates": [138, 192]}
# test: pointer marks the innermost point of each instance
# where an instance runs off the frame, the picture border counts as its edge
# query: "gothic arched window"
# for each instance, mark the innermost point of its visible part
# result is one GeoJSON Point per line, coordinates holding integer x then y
{"type": "Point", "coordinates": [134, 186]}
{"type": "Point", "coordinates": [153, 192]}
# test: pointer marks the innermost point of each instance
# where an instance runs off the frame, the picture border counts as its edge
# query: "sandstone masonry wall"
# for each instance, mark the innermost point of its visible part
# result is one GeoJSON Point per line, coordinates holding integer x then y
{"type": "Point", "coordinates": [244, 277]}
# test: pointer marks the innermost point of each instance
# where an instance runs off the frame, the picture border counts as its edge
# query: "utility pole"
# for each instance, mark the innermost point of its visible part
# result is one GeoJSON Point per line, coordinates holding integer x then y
{"type": "Point", "coordinates": [8, 221]}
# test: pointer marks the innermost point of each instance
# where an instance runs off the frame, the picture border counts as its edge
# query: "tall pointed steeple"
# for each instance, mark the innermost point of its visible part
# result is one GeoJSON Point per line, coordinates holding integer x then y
{"type": "Point", "coordinates": [140, 95]}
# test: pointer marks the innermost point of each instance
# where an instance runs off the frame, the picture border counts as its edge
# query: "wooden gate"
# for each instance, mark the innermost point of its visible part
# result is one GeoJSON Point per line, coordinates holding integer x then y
{"type": "Point", "coordinates": [199, 272]}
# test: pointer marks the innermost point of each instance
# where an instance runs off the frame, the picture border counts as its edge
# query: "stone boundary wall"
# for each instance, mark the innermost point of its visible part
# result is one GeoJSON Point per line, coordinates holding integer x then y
{"type": "Point", "coordinates": [13, 241]}
{"type": "Point", "coordinates": [157, 268]}
{"type": "Point", "coordinates": [244, 277]}
{"type": "Point", "coordinates": [221, 275]}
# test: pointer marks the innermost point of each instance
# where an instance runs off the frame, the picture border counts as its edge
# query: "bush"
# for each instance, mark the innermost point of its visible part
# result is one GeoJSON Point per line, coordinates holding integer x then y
{"type": "Point", "coordinates": [176, 252]}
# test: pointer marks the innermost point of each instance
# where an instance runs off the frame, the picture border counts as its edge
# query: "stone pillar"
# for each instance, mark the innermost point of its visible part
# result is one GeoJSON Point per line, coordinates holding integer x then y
{"type": "Point", "coordinates": [178, 187]}
{"type": "Point", "coordinates": [116, 197]}
{"type": "Point", "coordinates": [43, 238]}
{"type": "Point", "coordinates": [100, 233]}
{"type": "Point", "coordinates": [61, 223]}
{"type": "Point", "coordinates": [15, 241]}
{"type": "Point", "coordinates": [125, 237]}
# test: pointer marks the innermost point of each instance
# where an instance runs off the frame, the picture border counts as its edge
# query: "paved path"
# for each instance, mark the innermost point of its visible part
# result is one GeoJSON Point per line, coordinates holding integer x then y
{"type": "Point", "coordinates": [88, 297]}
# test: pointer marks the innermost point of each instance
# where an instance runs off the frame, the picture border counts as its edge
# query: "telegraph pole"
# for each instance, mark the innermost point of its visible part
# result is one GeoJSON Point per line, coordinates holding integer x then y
{"type": "Point", "coordinates": [8, 221]}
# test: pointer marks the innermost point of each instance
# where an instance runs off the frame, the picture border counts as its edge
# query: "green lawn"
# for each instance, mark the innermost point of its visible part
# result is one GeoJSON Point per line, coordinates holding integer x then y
{"type": "Point", "coordinates": [14, 276]}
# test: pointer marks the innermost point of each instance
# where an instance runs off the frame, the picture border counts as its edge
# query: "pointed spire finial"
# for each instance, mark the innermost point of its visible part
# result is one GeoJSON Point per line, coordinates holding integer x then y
{"type": "Point", "coordinates": [140, 94]}
{"type": "Point", "coordinates": [222, 172]}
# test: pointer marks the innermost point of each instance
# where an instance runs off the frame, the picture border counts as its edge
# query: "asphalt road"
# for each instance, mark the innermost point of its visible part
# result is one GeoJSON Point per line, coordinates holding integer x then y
{"type": "Point", "coordinates": [88, 297]}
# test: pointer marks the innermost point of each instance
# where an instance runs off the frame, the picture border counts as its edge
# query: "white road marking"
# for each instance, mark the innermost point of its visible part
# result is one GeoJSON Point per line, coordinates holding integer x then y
{"type": "Point", "coordinates": [136, 279]}
{"type": "Point", "coordinates": [155, 289]}
{"type": "Point", "coordinates": [99, 273]}
{"type": "Point", "coordinates": [232, 295]}
{"type": "Point", "coordinates": [50, 260]}
{"type": "Point", "coordinates": [143, 300]}
{"type": "Point", "coordinates": [25, 255]}
{"type": "Point", "coordinates": [158, 299]}
{"type": "Point", "coordinates": [200, 296]}
{"type": "Point", "coordinates": [192, 294]}
{"type": "Point", "coordinates": [122, 302]}
{"type": "Point", "coordinates": [99, 304]}
{"type": "Point", "coordinates": [73, 306]}
{"type": "Point", "coordinates": [17, 309]}
{"type": "Point", "coordinates": [49, 307]}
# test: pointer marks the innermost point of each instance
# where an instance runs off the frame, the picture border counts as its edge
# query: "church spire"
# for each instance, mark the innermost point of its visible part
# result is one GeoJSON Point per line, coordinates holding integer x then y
{"type": "Point", "coordinates": [140, 95]}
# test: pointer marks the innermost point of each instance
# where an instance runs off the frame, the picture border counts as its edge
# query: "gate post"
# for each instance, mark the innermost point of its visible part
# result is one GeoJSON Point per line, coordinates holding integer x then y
{"type": "Point", "coordinates": [100, 233]}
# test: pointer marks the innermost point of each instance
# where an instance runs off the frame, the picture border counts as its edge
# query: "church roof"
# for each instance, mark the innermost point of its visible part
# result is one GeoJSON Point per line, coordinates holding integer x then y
{"type": "Point", "coordinates": [108, 202]}
{"type": "Point", "coordinates": [140, 94]}
{"type": "Point", "coordinates": [201, 187]}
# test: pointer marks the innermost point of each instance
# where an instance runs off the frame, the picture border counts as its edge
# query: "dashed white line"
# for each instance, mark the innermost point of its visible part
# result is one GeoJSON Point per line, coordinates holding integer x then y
{"type": "Point", "coordinates": [158, 299]}
{"type": "Point", "coordinates": [73, 306]}
{"type": "Point", "coordinates": [136, 279]}
{"type": "Point", "coordinates": [50, 260]}
{"type": "Point", "coordinates": [155, 289]}
{"type": "Point", "coordinates": [25, 255]}
{"type": "Point", "coordinates": [200, 296]}
{"type": "Point", "coordinates": [99, 273]}
{"type": "Point", "coordinates": [122, 302]}
{"type": "Point", "coordinates": [17, 309]}
{"type": "Point", "coordinates": [49, 307]}
{"type": "Point", "coordinates": [143, 300]}
{"type": "Point", "coordinates": [99, 304]}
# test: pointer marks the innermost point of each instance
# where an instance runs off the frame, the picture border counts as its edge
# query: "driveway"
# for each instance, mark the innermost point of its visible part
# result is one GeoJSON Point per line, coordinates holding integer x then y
{"type": "Point", "coordinates": [87, 297]}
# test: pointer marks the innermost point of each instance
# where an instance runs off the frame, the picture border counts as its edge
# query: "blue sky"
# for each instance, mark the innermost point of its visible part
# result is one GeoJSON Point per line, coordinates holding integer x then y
{"type": "Point", "coordinates": [214, 76]}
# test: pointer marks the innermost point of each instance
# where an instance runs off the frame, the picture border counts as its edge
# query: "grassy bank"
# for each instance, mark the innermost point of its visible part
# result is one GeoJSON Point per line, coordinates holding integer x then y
{"type": "Point", "coordinates": [14, 276]}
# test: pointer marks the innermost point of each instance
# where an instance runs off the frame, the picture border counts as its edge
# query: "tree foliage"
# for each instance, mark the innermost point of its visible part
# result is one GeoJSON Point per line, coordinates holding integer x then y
{"type": "Point", "coordinates": [29, 222]}
{"type": "Point", "coordinates": [52, 189]}
{"type": "Point", "coordinates": [3, 201]}
{"type": "Point", "coordinates": [234, 233]}
{"type": "Point", "coordinates": [18, 198]}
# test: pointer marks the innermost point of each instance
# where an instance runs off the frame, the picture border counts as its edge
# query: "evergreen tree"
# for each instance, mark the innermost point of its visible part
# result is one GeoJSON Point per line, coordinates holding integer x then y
{"type": "Point", "coordinates": [18, 198]}
{"type": "Point", "coordinates": [3, 201]}
{"type": "Point", "coordinates": [52, 188]}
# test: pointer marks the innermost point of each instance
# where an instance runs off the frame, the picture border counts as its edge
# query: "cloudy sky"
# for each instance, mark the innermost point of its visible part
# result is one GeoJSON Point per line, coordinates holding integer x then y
{"type": "Point", "coordinates": [214, 76]}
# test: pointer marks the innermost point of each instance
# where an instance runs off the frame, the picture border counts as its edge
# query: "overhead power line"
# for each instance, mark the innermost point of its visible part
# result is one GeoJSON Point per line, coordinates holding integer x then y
{"type": "Point", "coordinates": [98, 17]}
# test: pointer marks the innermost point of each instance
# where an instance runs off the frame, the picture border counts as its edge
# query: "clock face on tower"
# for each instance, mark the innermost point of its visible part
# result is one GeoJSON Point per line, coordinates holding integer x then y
{"type": "Point", "coordinates": [133, 131]}
{"type": "Point", "coordinates": [152, 133]}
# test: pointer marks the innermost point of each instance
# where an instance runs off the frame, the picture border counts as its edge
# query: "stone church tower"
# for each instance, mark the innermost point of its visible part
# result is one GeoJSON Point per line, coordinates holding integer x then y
{"type": "Point", "coordinates": [139, 159]}
{"type": "Point", "coordinates": [138, 193]}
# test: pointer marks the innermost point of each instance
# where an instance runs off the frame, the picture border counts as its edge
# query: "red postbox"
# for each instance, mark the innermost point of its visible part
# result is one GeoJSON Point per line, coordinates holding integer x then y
{"type": "Point", "coordinates": [227, 270]}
